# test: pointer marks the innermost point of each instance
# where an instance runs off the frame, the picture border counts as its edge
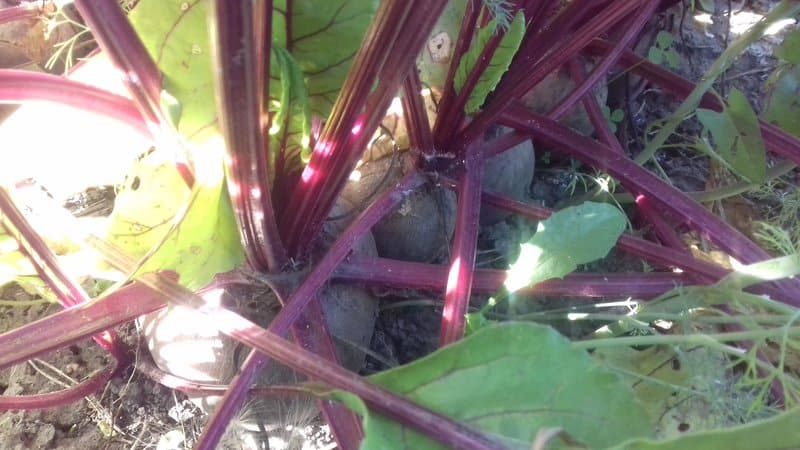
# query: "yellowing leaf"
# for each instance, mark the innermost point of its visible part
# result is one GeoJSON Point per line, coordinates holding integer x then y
{"type": "Point", "coordinates": [206, 241]}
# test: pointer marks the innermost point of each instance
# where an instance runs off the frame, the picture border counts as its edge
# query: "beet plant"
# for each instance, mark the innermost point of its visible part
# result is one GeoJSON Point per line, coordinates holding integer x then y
{"type": "Point", "coordinates": [259, 112]}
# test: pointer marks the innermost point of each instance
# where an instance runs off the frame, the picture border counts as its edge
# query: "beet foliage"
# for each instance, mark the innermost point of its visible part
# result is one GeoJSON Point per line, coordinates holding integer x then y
{"type": "Point", "coordinates": [266, 112]}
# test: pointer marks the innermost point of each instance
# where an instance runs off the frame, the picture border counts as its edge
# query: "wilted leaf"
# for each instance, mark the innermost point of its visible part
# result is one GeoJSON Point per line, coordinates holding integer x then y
{"type": "Point", "coordinates": [737, 137]}
{"type": "Point", "coordinates": [510, 381]}
{"type": "Point", "coordinates": [572, 236]}
{"type": "Point", "coordinates": [651, 372]}
{"type": "Point", "coordinates": [434, 60]}
{"type": "Point", "coordinates": [777, 433]}
{"type": "Point", "coordinates": [497, 66]}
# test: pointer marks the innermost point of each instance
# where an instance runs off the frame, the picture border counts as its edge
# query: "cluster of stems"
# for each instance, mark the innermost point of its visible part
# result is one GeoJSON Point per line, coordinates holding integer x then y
{"type": "Point", "coordinates": [271, 237]}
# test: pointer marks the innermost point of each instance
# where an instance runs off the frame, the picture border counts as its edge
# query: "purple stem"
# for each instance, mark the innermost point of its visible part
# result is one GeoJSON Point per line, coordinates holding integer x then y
{"type": "Point", "coordinates": [462, 259]}
{"type": "Point", "coordinates": [345, 425]}
{"type": "Point", "coordinates": [637, 179]}
{"type": "Point", "coordinates": [23, 11]}
{"type": "Point", "coordinates": [663, 230]}
{"type": "Point", "coordinates": [19, 86]}
{"type": "Point", "coordinates": [556, 22]}
{"type": "Point", "coordinates": [297, 303]}
{"type": "Point", "coordinates": [387, 54]}
{"type": "Point", "coordinates": [310, 332]}
{"type": "Point", "coordinates": [463, 42]}
{"type": "Point", "coordinates": [775, 139]}
{"type": "Point", "coordinates": [652, 253]}
{"type": "Point", "coordinates": [411, 275]}
{"type": "Point", "coordinates": [505, 142]}
{"type": "Point", "coordinates": [339, 250]}
{"type": "Point", "coordinates": [117, 38]}
{"type": "Point", "coordinates": [49, 269]}
{"type": "Point", "coordinates": [440, 428]}
{"type": "Point", "coordinates": [665, 233]}
{"type": "Point", "coordinates": [521, 77]}
{"type": "Point", "coordinates": [416, 115]}
{"type": "Point", "coordinates": [700, 271]}
{"type": "Point", "coordinates": [70, 325]}
{"type": "Point", "coordinates": [148, 367]}
{"type": "Point", "coordinates": [609, 59]}
{"type": "Point", "coordinates": [51, 400]}
{"type": "Point", "coordinates": [451, 122]}
{"type": "Point", "coordinates": [240, 102]}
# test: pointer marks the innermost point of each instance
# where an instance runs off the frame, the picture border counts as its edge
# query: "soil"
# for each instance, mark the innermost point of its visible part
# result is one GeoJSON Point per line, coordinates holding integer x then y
{"type": "Point", "coordinates": [134, 412]}
{"type": "Point", "coordinates": [131, 412]}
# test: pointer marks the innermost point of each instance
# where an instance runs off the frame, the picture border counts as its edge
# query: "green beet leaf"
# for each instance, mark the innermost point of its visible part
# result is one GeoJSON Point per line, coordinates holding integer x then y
{"type": "Point", "coordinates": [783, 104]}
{"type": "Point", "coordinates": [737, 137]}
{"type": "Point", "coordinates": [175, 34]}
{"type": "Point", "coordinates": [789, 50]}
{"type": "Point", "coordinates": [312, 52]}
{"type": "Point", "coordinates": [323, 40]}
{"type": "Point", "coordinates": [510, 381]}
{"type": "Point", "coordinates": [497, 66]}
{"type": "Point", "coordinates": [777, 433]}
{"type": "Point", "coordinates": [572, 236]}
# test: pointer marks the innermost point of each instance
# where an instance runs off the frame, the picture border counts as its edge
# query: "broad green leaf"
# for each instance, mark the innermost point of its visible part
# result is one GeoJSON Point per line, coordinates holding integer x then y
{"type": "Point", "coordinates": [664, 39]}
{"type": "Point", "coordinates": [312, 52]}
{"type": "Point", "coordinates": [673, 58]}
{"type": "Point", "coordinates": [511, 381]}
{"type": "Point", "coordinates": [789, 50]}
{"type": "Point", "coordinates": [572, 236]}
{"type": "Point", "coordinates": [776, 433]}
{"type": "Point", "coordinates": [175, 33]}
{"type": "Point", "coordinates": [737, 137]}
{"type": "Point", "coordinates": [655, 55]}
{"type": "Point", "coordinates": [205, 242]}
{"type": "Point", "coordinates": [497, 66]}
{"type": "Point", "coordinates": [323, 38]}
{"type": "Point", "coordinates": [783, 105]}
